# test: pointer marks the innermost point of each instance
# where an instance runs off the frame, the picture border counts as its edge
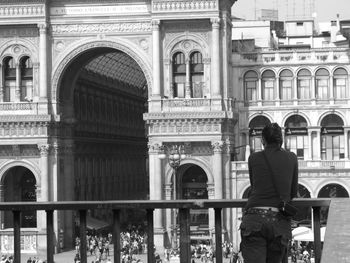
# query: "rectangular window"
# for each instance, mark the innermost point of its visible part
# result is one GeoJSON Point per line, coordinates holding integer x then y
{"type": "Point", "coordinates": [268, 89]}
{"type": "Point", "coordinates": [304, 89]}
{"type": "Point", "coordinates": [322, 88]}
{"type": "Point", "coordinates": [332, 147]}
{"type": "Point", "coordinates": [251, 90]}
{"type": "Point", "coordinates": [298, 145]}
{"type": "Point", "coordinates": [339, 88]}
{"type": "Point", "coordinates": [286, 90]}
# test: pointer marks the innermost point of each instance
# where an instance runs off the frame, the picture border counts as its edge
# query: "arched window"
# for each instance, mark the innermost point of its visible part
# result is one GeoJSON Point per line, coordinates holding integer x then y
{"type": "Point", "coordinates": [250, 86]}
{"type": "Point", "coordinates": [286, 85]}
{"type": "Point", "coordinates": [332, 138]}
{"type": "Point", "coordinates": [304, 84]}
{"type": "Point", "coordinates": [268, 85]}
{"type": "Point", "coordinates": [10, 79]}
{"type": "Point", "coordinates": [197, 74]}
{"type": "Point", "coordinates": [296, 137]}
{"type": "Point", "coordinates": [26, 78]}
{"type": "Point", "coordinates": [322, 84]}
{"type": "Point", "coordinates": [256, 126]}
{"type": "Point", "coordinates": [340, 77]}
{"type": "Point", "coordinates": [179, 74]}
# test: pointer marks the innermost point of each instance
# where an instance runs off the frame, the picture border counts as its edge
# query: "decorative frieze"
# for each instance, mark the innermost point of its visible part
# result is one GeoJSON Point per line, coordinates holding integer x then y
{"type": "Point", "coordinates": [6, 32]}
{"type": "Point", "coordinates": [185, 127]}
{"type": "Point", "coordinates": [102, 28]}
{"type": "Point", "coordinates": [184, 115]}
{"type": "Point", "coordinates": [183, 5]}
{"type": "Point", "coordinates": [19, 151]}
{"type": "Point", "coordinates": [21, 129]}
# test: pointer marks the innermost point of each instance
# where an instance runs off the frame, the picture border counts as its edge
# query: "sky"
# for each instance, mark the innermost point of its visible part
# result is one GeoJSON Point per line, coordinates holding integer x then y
{"type": "Point", "coordinates": [322, 10]}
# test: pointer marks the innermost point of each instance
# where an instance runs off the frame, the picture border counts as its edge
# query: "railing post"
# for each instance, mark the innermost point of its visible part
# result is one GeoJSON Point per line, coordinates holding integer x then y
{"type": "Point", "coordinates": [185, 240]}
{"type": "Point", "coordinates": [218, 235]}
{"type": "Point", "coordinates": [116, 235]}
{"type": "Point", "coordinates": [150, 236]}
{"type": "Point", "coordinates": [82, 228]}
{"type": "Point", "coordinates": [50, 233]}
{"type": "Point", "coordinates": [17, 236]}
{"type": "Point", "coordinates": [317, 233]}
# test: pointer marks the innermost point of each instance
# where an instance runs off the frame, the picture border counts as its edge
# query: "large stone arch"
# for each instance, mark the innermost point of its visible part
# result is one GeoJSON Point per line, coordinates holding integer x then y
{"type": "Point", "coordinates": [199, 162]}
{"type": "Point", "coordinates": [66, 58]}
{"type": "Point", "coordinates": [24, 163]}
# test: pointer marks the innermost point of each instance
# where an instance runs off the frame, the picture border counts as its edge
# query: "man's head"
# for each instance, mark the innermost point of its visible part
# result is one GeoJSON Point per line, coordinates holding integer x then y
{"type": "Point", "coordinates": [272, 134]}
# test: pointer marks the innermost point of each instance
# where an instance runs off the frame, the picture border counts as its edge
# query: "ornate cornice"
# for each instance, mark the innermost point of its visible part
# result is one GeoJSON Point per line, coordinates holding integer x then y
{"type": "Point", "coordinates": [25, 118]}
{"type": "Point", "coordinates": [184, 115]}
{"type": "Point", "coordinates": [102, 28]}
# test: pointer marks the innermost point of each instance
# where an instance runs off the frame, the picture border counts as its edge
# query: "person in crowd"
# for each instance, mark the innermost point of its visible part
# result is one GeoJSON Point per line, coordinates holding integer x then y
{"type": "Point", "coordinates": [265, 232]}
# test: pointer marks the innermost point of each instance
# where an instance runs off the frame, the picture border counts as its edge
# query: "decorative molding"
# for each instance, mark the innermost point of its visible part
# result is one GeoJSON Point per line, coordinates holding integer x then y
{"type": "Point", "coordinates": [183, 5]}
{"type": "Point", "coordinates": [19, 32]}
{"type": "Point", "coordinates": [44, 149]}
{"type": "Point", "coordinates": [218, 146]}
{"type": "Point", "coordinates": [184, 115]}
{"type": "Point", "coordinates": [24, 118]}
{"type": "Point", "coordinates": [154, 148]}
{"type": "Point", "coordinates": [111, 28]}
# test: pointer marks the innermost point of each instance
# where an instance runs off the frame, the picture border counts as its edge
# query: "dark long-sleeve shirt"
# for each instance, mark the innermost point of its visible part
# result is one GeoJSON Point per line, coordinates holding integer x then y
{"type": "Point", "coordinates": [285, 168]}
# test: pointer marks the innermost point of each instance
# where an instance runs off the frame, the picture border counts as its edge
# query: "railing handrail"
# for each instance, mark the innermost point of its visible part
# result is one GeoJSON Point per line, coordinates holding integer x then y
{"type": "Point", "coordinates": [184, 207]}
{"type": "Point", "coordinates": [148, 204]}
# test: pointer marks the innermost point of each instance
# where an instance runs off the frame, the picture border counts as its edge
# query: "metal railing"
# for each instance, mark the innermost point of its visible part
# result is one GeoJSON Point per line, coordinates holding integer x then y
{"type": "Point", "coordinates": [184, 207]}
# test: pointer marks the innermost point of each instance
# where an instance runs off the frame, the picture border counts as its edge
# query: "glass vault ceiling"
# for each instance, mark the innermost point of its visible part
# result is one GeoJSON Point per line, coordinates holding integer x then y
{"type": "Point", "coordinates": [119, 66]}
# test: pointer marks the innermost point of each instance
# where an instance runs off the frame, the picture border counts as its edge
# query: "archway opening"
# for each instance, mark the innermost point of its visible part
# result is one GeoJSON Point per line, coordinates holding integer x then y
{"type": "Point", "coordinates": [103, 96]}
{"type": "Point", "coordinates": [19, 185]}
{"type": "Point", "coordinates": [330, 191]}
{"type": "Point", "coordinates": [194, 186]}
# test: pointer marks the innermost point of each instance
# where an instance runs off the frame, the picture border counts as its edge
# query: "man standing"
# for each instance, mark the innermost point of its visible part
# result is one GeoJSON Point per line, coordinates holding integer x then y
{"type": "Point", "coordinates": [273, 175]}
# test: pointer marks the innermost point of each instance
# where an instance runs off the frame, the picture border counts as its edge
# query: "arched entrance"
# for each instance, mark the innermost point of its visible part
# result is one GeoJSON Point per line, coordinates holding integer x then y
{"type": "Point", "coordinates": [19, 185]}
{"type": "Point", "coordinates": [194, 186]}
{"type": "Point", "coordinates": [330, 191]}
{"type": "Point", "coordinates": [103, 94]}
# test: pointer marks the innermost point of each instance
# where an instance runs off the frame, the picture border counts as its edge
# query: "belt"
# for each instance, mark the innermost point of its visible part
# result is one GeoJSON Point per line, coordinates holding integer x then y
{"type": "Point", "coordinates": [269, 208]}
{"type": "Point", "coordinates": [262, 211]}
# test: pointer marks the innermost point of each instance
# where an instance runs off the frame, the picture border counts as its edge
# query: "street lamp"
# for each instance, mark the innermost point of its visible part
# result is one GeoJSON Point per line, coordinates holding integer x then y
{"type": "Point", "coordinates": [174, 154]}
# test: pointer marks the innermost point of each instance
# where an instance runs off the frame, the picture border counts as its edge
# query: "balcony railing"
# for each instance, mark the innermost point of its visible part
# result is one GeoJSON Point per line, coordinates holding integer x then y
{"type": "Point", "coordinates": [183, 206]}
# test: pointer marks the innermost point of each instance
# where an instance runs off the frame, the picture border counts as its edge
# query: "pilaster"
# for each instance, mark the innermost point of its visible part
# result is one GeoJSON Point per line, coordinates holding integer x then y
{"type": "Point", "coordinates": [43, 29]}
{"type": "Point", "coordinates": [215, 58]}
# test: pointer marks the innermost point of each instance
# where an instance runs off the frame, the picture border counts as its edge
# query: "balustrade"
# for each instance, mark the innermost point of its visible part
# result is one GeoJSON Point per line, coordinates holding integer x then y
{"type": "Point", "coordinates": [183, 206]}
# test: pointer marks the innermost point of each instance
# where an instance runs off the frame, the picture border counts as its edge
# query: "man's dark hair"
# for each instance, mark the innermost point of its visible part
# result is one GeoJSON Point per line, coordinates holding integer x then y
{"type": "Point", "coordinates": [272, 134]}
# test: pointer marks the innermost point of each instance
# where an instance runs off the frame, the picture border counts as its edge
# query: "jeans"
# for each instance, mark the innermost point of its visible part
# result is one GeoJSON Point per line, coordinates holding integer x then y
{"type": "Point", "coordinates": [265, 236]}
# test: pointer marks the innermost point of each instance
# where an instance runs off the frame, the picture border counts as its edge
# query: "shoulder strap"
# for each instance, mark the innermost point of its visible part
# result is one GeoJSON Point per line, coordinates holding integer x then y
{"type": "Point", "coordinates": [273, 176]}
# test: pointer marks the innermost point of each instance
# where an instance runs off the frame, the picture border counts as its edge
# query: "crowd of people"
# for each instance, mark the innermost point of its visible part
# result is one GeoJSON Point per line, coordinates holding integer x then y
{"type": "Point", "coordinates": [301, 252]}
{"type": "Point", "coordinates": [133, 241]}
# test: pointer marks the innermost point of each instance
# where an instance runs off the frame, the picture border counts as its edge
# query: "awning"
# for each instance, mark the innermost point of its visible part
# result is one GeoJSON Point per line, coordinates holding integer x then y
{"type": "Point", "coordinates": [94, 223]}
{"type": "Point", "coordinates": [306, 234]}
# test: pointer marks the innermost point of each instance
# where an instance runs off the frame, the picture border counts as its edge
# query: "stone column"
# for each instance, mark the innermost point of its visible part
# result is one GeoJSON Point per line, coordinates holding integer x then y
{"type": "Point", "coordinates": [217, 168]}
{"type": "Point", "coordinates": [316, 143]}
{"type": "Point", "coordinates": [211, 213]}
{"type": "Point", "coordinates": [67, 188]}
{"type": "Point", "coordinates": [188, 80]}
{"type": "Point", "coordinates": [44, 180]}
{"type": "Point", "coordinates": [2, 199]}
{"type": "Point", "coordinates": [43, 62]}
{"type": "Point", "coordinates": [18, 83]}
{"type": "Point", "coordinates": [215, 65]}
{"type": "Point", "coordinates": [156, 58]}
{"type": "Point", "coordinates": [309, 133]}
{"type": "Point", "coordinates": [331, 89]}
{"type": "Point", "coordinates": [277, 89]}
{"type": "Point", "coordinates": [313, 90]}
{"type": "Point", "coordinates": [54, 188]}
{"type": "Point", "coordinates": [155, 190]}
{"type": "Point", "coordinates": [295, 88]}
{"type": "Point", "coordinates": [1, 83]}
{"type": "Point", "coordinates": [168, 196]}
{"type": "Point", "coordinates": [43, 189]}
{"type": "Point", "coordinates": [346, 142]}
{"type": "Point", "coordinates": [259, 93]}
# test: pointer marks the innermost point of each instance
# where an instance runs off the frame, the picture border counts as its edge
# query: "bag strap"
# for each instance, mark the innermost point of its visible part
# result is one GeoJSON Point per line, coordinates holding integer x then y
{"type": "Point", "coordinates": [273, 176]}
